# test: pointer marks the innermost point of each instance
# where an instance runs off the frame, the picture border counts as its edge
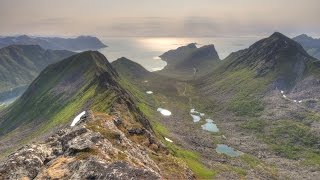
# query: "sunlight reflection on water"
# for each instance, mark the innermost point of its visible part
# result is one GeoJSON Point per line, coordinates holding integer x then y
{"type": "Point", "coordinates": [146, 50]}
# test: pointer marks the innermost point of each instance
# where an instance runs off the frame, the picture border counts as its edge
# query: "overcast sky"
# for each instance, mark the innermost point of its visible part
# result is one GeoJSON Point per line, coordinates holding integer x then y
{"type": "Point", "coordinates": [182, 18]}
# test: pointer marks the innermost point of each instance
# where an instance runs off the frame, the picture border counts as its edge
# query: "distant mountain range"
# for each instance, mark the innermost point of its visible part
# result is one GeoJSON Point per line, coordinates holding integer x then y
{"type": "Point", "coordinates": [21, 64]}
{"type": "Point", "coordinates": [311, 45]}
{"type": "Point", "coordinates": [80, 43]}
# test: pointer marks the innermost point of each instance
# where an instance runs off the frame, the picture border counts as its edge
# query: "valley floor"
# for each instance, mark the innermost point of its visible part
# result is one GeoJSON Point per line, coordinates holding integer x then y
{"type": "Point", "coordinates": [257, 161]}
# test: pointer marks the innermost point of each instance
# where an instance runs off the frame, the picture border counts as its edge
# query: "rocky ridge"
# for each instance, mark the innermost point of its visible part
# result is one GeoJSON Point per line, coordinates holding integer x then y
{"type": "Point", "coordinates": [95, 148]}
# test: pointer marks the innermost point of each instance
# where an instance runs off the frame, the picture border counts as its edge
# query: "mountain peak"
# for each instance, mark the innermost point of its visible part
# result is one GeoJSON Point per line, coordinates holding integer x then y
{"type": "Point", "coordinates": [192, 45]}
{"type": "Point", "coordinates": [281, 41]}
{"type": "Point", "coordinates": [129, 68]}
{"type": "Point", "coordinates": [278, 35]}
{"type": "Point", "coordinates": [310, 44]}
{"type": "Point", "coordinates": [207, 51]}
{"type": "Point", "coordinates": [276, 43]}
{"type": "Point", "coordinates": [23, 37]}
{"type": "Point", "coordinates": [91, 59]}
{"type": "Point", "coordinates": [271, 53]}
{"type": "Point", "coordinates": [61, 82]}
{"type": "Point", "coordinates": [124, 59]}
{"type": "Point", "coordinates": [303, 37]}
{"type": "Point", "coordinates": [90, 56]}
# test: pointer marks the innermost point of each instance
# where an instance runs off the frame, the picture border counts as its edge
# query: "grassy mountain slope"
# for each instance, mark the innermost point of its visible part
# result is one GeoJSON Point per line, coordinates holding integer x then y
{"type": "Point", "coordinates": [130, 69]}
{"type": "Point", "coordinates": [247, 88]}
{"type": "Point", "coordinates": [276, 62]}
{"type": "Point", "coordinates": [21, 64]}
{"type": "Point", "coordinates": [86, 81]}
{"type": "Point", "coordinates": [190, 142]}
{"type": "Point", "coordinates": [81, 82]}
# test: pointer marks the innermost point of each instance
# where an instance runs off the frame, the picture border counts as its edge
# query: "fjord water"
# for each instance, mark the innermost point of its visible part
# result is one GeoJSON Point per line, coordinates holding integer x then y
{"type": "Point", "coordinates": [145, 50]}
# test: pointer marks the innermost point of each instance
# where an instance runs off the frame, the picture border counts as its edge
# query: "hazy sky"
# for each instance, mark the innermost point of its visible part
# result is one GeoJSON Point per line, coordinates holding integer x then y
{"type": "Point", "coordinates": [159, 17]}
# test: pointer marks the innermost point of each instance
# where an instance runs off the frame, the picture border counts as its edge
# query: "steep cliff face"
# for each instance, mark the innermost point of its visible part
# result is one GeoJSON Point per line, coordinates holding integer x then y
{"type": "Point", "coordinates": [190, 61]}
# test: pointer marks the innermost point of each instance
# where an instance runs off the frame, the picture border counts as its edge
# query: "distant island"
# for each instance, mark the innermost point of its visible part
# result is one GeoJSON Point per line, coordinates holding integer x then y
{"type": "Point", "coordinates": [80, 43]}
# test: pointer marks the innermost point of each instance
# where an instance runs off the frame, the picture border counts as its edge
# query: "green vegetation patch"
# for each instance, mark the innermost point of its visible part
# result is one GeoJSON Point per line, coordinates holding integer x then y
{"type": "Point", "coordinates": [288, 138]}
{"type": "Point", "coordinates": [246, 106]}
{"type": "Point", "coordinates": [193, 161]}
{"type": "Point", "coordinates": [242, 90]}
{"type": "Point", "coordinates": [254, 125]}
{"type": "Point", "coordinates": [97, 126]}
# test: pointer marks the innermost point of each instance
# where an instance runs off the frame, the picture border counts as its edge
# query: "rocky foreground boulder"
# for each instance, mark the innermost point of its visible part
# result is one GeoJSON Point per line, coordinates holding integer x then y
{"type": "Point", "coordinates": [95, 148]}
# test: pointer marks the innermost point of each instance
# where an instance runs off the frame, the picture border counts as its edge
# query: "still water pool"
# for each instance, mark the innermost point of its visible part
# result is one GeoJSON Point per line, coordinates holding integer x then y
{"type": "Point", "coordinates": [229, 151]}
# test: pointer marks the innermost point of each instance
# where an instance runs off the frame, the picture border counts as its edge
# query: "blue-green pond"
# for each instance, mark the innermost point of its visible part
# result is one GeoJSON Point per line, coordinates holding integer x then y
{"type": "Point", "coordinates": [229, 151]}
{"type": "Point", "coordinates": [210, 126]}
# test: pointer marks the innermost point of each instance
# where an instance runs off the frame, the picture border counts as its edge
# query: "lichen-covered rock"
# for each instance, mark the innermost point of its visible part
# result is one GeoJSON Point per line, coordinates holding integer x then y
{"type": "Point", "coordinates": [94, 149]}
{"type": "Point", "coordinates": [26, 162]}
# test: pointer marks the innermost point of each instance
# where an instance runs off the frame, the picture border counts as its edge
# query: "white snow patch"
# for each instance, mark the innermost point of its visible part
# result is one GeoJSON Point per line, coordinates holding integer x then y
{"type": "Point", "coordinates": [300, 101]}
{"type": "Point", "coordinates": [195, 118]}
{"type": "Point", "coordinates": [209, 120]}
{"type": "Point", "coordinates": [149, 92]}
{"type": "Point", "coordinates": [156, 69]}
{"type": "Point", "coordinates": [202, 114]}
{"type": "Point", "coordinates": [77, 118]}
{"type": "Point", "coordinates": [282, 92]}
{"type": "Point", "coordinates": [164, 112]}
{"type": "Point", "coordinates": [167, 139]}
{"type": "Point", "coordinates": [194, 111]}
{"type": "Point", "coordinates": [284, 96]}
{"type": "Point", "coordinates": [294, 100]}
